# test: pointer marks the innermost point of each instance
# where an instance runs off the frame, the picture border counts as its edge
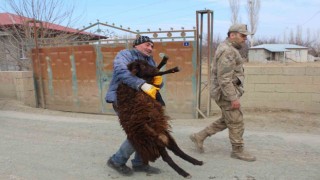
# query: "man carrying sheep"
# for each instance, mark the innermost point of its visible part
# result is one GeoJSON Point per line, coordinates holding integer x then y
{"type": "Point", "coordinates": [143, 48]}
{"type": "Point", "coordinates": [227, 88]}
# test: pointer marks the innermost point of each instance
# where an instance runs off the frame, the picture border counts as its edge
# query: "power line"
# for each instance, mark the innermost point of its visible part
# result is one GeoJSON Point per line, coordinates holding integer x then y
{"type": "Point", "coordinates": [311, 17]}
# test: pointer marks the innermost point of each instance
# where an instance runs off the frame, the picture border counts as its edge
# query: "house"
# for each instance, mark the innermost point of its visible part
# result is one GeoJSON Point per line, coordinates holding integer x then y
{"type": "Point", "coordinates": [17, 38]}
{"type": "Point", "coordinates": [9, 21]}
{"type": "Point", "coordinates": [278, 52]}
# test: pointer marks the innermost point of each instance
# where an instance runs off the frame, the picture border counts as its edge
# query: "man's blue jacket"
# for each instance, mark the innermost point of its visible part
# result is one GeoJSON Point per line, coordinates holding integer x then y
{"type": "Point", "coordinates": [121, 74]}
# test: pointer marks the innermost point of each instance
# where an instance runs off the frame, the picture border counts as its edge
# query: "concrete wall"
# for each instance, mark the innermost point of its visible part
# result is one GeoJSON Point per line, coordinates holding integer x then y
{"type": "Point", "coordinates": [278, 86]}
{"type": "Point", "coordinates": [298, 55]}
{"type": "Point", "coordinates": [18, 85]}
{"type": "Point", "coordinates": [7, 86]}
{"type": "Point", "coordinates": [257, 55]}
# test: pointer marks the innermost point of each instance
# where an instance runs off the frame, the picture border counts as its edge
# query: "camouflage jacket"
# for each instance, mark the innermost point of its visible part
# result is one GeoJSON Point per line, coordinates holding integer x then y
{"type": "Point", "coordinates": [227, 73]}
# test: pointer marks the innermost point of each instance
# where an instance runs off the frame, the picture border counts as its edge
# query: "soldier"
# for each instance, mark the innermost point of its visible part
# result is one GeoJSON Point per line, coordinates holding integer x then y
{"type": "Point", "coordinates": [227, 79]}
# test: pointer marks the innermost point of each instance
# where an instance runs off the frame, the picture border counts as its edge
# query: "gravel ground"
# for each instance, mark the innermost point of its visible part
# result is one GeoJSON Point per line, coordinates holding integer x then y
{"type": "Point", "coordinates": [45, 144]}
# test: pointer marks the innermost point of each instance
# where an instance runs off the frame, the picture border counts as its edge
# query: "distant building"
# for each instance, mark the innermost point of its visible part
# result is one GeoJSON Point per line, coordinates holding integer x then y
{"type": "Point", "coordinates": [278, 52]}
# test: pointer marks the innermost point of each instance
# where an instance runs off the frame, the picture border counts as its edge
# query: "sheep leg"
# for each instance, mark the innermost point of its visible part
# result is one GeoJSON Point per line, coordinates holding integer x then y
{"type": "Point", "coordinates": [162, 137]}
{"type": "Point", "coordinates": [163, 62]}
{"type": "Point", "coordinates": [165, 156]}
{"type": "Point", "coordinates": [173, 146]}
{"type": "Point", "coordinates": [160, 99]}
{"type": "Point", "coordinates": [172, 70]}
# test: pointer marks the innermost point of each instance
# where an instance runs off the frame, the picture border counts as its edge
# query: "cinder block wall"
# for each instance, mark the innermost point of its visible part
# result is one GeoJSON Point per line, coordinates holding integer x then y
{"type": "Point", "coordinates": [292, 87]}
{"type": "Point", "coordinates": [18, 85]}
{"type": "Point", "coordinates": [267, 86]}
{"type": "Point", "coordinates": [7, 86]}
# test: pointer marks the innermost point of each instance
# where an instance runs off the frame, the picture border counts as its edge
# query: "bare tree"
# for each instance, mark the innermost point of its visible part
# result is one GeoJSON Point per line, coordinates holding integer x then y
{"type": "Point", "coordinates": [253, 8]}
{"type": "Point", "coordinates": [42, 18]}
{"type": "Point", "coordinates": [298, 38]}
{"type": "Point", "coordinates": [216, 41]}
{"type": "Point", "coordinates": [291, 39]}
{"type": "Point", "coordinates": [234, 7]}
{"type": "Point", "coordinates": [308, 38]}
{"type": "Point", "coordinates": [315, 45]}
{"type": "Point", "coordinates": [34, 20]}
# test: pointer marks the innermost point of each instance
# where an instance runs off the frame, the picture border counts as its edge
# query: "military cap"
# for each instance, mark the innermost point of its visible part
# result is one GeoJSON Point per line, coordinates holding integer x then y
{"type": "Point", "coordinates": [240, 28]}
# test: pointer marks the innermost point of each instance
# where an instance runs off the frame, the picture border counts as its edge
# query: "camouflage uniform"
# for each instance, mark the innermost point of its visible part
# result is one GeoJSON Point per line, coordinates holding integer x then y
{"type": "Point", "coordinates": [227, 78]}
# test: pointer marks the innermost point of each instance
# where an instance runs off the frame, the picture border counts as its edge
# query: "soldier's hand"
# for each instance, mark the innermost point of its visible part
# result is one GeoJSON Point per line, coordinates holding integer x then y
{"type": "Point", "coordinates": [235, 104]}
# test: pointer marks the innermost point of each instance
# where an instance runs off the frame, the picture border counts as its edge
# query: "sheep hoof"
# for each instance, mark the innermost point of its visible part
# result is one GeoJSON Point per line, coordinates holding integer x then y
{"type": "Point", "coordinates": [200, 163]}
{"type": "Point", "coordinates": [188, 177]}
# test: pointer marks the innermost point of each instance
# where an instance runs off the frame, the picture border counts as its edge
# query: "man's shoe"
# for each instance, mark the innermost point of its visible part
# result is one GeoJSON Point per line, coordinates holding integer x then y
{"type": "Point", "coordinates": [146, 168]}
{"type": "Point", "coordinates": [122, 169]}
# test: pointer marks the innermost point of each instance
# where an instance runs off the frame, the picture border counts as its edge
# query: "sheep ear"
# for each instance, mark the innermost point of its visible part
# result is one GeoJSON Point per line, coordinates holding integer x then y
{"type": "Point", "coordinates": [134, 71]}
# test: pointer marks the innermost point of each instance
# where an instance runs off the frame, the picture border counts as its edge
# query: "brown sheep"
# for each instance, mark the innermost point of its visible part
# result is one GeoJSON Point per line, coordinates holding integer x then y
{"type": "Point", "coordinates": [144, 120]}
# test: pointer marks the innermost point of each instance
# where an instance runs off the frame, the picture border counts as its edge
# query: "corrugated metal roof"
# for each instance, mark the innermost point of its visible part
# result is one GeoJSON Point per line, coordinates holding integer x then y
{"type": "Point", "coordinates": [278, 47]}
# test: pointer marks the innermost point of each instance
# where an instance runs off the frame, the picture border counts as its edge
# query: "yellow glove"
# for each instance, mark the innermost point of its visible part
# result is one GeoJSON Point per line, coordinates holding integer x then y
{"type": "Point", "coordinates": [149, 89]}
{"type": "Point", "coordinates": [157, 80]}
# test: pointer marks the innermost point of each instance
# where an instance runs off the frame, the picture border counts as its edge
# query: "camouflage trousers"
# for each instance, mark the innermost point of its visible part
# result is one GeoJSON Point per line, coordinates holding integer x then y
{"type": "Point", "coordinates": [231, 119]}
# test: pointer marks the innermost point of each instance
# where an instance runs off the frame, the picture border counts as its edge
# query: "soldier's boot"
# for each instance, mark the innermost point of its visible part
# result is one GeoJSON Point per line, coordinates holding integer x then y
{"type": "Point", "coordinates": [238, 152]}
{"type": "Point", "coordinates": [198, 138]}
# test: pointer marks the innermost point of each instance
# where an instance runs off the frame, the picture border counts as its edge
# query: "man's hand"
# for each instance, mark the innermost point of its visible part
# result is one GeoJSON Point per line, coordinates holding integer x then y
{"type": "Point", "coordinates": [149, 89]}
{"type": "Point", "coordinates": [235, 104]}
{"type": "Point", "coordinates": [157, 80]}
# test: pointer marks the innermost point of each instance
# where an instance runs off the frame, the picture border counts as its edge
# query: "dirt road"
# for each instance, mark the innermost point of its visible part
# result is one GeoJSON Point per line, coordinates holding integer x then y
{"type": "Point", "coordinates": [43, 144]}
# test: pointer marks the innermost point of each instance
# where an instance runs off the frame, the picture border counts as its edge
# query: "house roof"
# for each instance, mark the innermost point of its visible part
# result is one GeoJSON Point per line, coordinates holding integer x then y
{"type": "Point", "coordinates": [278, 47]}
{"type": "Point", "coordinates": [8, 19]}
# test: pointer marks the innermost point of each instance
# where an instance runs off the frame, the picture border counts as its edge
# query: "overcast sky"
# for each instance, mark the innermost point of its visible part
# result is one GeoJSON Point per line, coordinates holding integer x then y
{"type": "Point", "coordinates": [276, 16]}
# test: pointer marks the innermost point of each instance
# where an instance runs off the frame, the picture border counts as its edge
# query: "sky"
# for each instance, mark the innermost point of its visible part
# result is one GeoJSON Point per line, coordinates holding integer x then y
{"type": "Point", "coordinates": [276, 17]}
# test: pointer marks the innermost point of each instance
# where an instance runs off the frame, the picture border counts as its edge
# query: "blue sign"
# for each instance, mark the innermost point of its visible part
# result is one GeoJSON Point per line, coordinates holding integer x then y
{"type": "Point", "coordinates": [186, 44]}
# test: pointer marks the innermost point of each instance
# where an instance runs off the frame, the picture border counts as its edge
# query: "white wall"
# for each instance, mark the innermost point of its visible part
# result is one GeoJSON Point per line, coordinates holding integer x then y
{"type": "Point", "coordinates": [297, 55]}
{"type": "Point", "coordinates": [257, 55]}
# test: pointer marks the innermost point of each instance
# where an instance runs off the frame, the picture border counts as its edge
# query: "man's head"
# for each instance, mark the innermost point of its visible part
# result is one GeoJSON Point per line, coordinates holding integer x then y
{"type": "Point", "coordinates": [144, 44]}
{"type": "Point", "coordinates": [238, 33]}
